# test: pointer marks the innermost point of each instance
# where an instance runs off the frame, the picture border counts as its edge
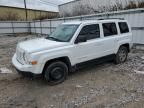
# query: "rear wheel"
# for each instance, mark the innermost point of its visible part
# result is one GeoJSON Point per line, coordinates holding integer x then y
{"type": "Point", "coordinates": [56, 73]}
{"type": "Point", "coordinates": [121, 55]}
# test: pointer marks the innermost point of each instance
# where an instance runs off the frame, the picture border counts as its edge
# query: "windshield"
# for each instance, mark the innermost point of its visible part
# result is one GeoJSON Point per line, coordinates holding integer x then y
{"type": "Point", "coordinates": [63, 33]}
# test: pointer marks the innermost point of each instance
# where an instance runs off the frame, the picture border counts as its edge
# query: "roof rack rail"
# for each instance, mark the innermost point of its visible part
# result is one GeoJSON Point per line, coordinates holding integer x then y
{"type": "Point", "coordinates": [103, 18]}
{"type": "Point", "coordinates": [111, 18]}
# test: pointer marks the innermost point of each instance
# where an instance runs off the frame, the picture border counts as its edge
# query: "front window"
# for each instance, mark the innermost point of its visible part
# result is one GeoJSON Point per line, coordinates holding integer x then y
{"type": "Point", "coordinates": [63, 33]}
{"type": "Point", "coordinates": [90, 31]}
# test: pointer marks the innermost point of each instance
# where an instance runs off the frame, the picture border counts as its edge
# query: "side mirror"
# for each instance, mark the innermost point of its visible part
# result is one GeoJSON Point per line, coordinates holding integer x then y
{"type": "Point", "coordinates": [81, 39]}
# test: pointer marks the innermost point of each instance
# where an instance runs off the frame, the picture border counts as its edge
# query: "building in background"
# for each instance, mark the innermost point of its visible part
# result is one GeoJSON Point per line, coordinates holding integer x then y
{"type": "Point", "coordinates": [17, 13]}
{"type": "Point", "coordinates": [83, 7]}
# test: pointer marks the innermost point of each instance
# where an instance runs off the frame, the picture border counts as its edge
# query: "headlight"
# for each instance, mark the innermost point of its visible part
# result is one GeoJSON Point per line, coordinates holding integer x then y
{"type": "Point", "coordinates": [26, 57]}
{"type": "Point", "coordinates": [27, 60]}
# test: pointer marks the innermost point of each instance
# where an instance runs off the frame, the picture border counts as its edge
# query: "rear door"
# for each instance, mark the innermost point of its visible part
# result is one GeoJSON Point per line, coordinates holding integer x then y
{"type": "Point", "coordinates": [110, 37]}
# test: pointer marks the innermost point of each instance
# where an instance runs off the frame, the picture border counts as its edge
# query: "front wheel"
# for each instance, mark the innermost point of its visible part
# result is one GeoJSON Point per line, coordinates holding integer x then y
{"type": "Point", "coordinates": [56, 73]}
{"type": "Point", "coordinates": [121, 55]}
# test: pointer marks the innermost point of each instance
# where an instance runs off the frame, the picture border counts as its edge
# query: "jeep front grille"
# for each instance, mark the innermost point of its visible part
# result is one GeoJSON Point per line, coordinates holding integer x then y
{"type": "Point", "coordinates": [19, 55]}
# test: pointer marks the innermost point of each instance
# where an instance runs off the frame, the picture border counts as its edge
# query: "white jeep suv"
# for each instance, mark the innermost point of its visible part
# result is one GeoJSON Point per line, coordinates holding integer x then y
{"type": "Point", "coordinates": [71, 44]}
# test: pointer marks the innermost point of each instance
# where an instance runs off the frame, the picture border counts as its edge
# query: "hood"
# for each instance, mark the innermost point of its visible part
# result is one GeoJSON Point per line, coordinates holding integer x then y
{"type": "Point", "coordinates": [39, 44]}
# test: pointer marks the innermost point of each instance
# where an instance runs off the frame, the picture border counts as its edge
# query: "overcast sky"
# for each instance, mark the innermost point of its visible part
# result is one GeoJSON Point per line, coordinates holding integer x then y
{"type": "Point", "coordinates": [50, 5]}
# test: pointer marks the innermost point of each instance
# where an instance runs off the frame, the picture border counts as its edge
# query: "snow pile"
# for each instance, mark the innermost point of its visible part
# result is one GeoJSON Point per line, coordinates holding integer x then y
{"type": "Point", "coordinates": [5, 70]}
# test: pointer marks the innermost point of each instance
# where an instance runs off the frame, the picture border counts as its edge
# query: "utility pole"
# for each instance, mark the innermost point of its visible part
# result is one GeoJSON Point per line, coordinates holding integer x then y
{"type": "Point", "coordinates": [25, 9]}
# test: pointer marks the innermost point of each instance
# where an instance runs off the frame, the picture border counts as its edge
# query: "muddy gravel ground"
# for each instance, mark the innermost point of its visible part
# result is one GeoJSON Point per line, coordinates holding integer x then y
{"type": "Point", "coordinates": [97, 86]}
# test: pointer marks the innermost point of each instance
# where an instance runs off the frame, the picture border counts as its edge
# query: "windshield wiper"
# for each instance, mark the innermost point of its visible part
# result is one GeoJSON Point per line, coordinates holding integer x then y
{"type": "Point", "coordinates": [55, 39]}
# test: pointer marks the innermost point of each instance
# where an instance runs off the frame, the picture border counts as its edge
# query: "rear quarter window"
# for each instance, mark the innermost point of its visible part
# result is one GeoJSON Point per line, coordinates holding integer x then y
{"type": "Point", "coordinates": [123, 27]}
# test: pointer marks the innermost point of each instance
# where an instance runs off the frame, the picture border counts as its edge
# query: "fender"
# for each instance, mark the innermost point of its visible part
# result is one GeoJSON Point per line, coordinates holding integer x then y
{"type": "Point", "coordinates": [54, 55]}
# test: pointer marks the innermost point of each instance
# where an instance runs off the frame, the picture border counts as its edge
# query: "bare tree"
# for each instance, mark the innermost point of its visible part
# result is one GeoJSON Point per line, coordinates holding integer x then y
{"type": "Point", "coordinates": [87, 9]}
{"type": "Point", "coordinates": [141, 4]}
{"type": "Point", "coordinates": [82, 10]}
{"type": "Point", "coordinates": [131, 5]}
{"type": "Point", "coordinates": [119, 5]}
{"type": "Point", "coordinates": [115, 7]}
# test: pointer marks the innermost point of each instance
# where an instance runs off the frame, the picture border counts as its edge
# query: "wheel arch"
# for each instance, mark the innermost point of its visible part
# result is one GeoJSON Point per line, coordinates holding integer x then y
{"type": "Point", "coordinates": [64, 59]}
{"type": "Point", "coordinates": [127, 45]}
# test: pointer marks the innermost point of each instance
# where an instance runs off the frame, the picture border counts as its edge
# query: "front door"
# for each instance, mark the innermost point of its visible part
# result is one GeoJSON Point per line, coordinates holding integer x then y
{"type": "Point", "coordinates": [92, 48]}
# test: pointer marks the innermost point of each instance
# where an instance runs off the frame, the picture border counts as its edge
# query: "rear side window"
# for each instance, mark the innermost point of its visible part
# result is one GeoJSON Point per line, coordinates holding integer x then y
{"type": "Point", "coordinates": [109, 29]}
{"type": "Point", "coordinates": [90, 31]}
{"type": "Point", "coordinates": [123, 27]}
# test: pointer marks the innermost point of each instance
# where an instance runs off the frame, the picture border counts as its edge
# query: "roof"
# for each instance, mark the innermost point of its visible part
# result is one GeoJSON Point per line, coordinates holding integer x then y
{"type": "Point", "coordinates": [93, 21]}
{"type": "Point", "coordinates": [27, 8]}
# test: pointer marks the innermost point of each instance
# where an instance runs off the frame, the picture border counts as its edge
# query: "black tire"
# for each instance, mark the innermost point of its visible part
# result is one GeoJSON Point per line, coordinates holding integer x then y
{"type": "Point", "coordinates": [121, 55]}
{"type": "Point", "coordinates": [56, 73]}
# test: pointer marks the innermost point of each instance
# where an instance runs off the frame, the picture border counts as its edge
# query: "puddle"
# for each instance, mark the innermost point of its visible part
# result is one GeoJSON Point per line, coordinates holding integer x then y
{"type": "Point", "coordinates": [5, 71]}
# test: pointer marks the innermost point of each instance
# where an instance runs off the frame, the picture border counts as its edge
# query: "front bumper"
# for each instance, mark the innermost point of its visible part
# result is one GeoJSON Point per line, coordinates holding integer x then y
{"type": "Point", "coordinates": [28, 74]}
{"type": "Point", "coordinates": [23, 68]}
